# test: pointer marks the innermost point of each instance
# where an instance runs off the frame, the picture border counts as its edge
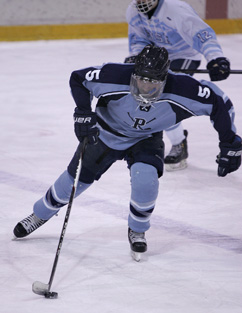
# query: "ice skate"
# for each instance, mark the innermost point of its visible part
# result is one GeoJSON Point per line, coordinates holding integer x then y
{"type": "Point", "coordinates": [138, 244]}
{"type": "Point", "coordinates": [176, 159]}
{"type": "Point", "coordinates": [27, 226]}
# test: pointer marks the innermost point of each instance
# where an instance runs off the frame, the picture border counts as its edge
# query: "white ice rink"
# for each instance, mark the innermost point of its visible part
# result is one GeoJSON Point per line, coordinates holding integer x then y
{"type": "Point", "coordinates": [194, 258]}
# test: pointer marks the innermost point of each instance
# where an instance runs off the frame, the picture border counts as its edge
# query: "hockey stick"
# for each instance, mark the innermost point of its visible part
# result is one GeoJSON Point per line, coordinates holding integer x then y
{"type": "Point", "coordinates": [44, 289]}
{"type": "Point", "coordinates": [187, 71]}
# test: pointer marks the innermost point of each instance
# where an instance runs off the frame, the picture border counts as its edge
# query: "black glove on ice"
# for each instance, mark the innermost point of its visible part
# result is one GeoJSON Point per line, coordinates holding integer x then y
{"type": "Point", "coordinates": [219, 69]}
{"type": "Point", "coordinates": [229, 158]}
{"type": "Point", "coordinates": [85, 127]}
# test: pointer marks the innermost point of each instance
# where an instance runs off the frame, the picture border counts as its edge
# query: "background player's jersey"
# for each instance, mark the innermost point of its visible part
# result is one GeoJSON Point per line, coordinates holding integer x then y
{"type": "Point", "coordinates": [175, 26]}
{"type": "Point", "coordinates": [123, 121]}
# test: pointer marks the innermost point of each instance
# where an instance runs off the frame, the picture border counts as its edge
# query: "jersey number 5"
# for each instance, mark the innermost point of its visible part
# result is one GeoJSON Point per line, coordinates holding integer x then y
{"type": "Point", "coordinates": [92, 74]}
{"type": "Point", "coordinates": [204, 92]}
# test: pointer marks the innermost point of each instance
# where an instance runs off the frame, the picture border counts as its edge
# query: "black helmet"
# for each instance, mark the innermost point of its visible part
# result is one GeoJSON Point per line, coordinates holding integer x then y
{"type": "Point", "coordinates": [150, 72]}
{"type": "Point", "coordinates": [152, 62]}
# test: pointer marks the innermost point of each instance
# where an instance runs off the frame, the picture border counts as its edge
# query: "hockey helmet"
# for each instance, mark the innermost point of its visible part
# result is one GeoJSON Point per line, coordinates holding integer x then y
{"type": "Point", "coordinates": [150, 73]}
{"type": "Point", "coordinates": [144, 6]}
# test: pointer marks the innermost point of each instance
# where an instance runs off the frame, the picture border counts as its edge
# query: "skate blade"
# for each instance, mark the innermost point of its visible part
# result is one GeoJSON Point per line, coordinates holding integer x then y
{"type": "Point", "coordinates": [176, 166]}
{"type": "Point", "coordinates": [14, 238]}
{"type": "Point", "coordinates": [136, 256]}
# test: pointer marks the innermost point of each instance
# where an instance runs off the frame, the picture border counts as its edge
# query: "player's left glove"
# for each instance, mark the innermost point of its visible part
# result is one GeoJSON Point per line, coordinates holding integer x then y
{"type": "Point", "coordinates": [219, 69]}
{"type": "Point", "coordinates": [229, 158]}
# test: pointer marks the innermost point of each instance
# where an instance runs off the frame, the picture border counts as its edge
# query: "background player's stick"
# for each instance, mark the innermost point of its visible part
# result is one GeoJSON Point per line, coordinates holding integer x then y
{"type": "Point", "coordinates": [44, 289]}
{"type": "Point", "coordinates": [187, 71]}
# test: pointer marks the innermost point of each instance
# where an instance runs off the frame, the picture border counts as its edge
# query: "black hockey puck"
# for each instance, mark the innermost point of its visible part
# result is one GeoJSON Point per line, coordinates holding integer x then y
{"type": "Point", "coordinates": [51, 295]}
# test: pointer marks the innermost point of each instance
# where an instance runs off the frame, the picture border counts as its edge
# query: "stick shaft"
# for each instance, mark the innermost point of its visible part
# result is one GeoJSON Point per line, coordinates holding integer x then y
{"type": "Point", "coordinates": [203, 71]}
{"type": "Point", "coordinates": [68, 211]}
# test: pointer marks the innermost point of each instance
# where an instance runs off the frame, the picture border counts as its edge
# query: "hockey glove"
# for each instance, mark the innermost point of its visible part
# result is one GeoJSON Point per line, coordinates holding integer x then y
{"type": "Point", "coordinates": [219, 69]}
{"type": "Point", "coordinates": [229, 158]}
{"type": "Point", "coordinates": [130, 59]}
{"type": "Point", "coordinates": [85, 126]}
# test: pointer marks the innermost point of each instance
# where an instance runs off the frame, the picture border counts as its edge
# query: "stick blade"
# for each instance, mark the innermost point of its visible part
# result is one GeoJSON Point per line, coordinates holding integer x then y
{"type": "Point", "coordinates": [40, 288]}
{"type": "Point", "coordinates": [44, 290]}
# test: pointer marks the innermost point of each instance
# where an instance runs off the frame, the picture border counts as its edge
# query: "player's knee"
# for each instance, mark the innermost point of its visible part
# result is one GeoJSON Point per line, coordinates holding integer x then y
{"type": "Point", "coordinates": [144, 182]}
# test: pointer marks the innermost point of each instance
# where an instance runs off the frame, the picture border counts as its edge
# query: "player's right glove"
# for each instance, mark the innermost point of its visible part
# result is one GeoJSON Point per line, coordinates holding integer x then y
{"type": "Point", "coordinates": [229, 158]}
{"type": "Point", "coordinates": [219, 69]}
{"type": "Point", "coordinates": [85, 126]}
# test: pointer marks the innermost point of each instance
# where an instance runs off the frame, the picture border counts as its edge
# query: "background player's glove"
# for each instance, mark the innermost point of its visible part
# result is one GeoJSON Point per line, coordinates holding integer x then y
{"type": "Point", "coordinates": [229, 158]}
{"type": "Point", "coordinates": [219, 69]}
{"type": "Point", "coordinates": [130, 59]}
{"type": "Point", "coordinates": [85, 126]}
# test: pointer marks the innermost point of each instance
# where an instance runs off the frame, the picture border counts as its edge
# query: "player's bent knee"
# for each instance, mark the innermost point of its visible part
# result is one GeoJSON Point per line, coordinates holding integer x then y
{"type": "Point", "coordinates": [144, 182]}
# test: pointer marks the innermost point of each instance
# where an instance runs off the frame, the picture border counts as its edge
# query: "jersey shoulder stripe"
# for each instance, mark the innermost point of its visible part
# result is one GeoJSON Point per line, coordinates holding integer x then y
{"type": "Point", "coordinates": [118, 94]}
{"type": "Point", "coordinates": [104, 99]}
{"type": "Point", "coordinates": [175, 103]}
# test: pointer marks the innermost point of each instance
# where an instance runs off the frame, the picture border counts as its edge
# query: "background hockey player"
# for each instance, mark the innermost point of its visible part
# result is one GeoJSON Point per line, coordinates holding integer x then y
{"type": "Point", "coordinates": [173, 24]}
{"type": "Point", "coordinates": [136, 102]}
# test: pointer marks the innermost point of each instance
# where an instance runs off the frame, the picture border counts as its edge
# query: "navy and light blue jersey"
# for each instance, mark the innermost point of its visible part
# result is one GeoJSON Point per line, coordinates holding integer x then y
{"type": "Point", "coordinates": [175, 26]}
{"type": "Point", "coordinates": [123, 121]}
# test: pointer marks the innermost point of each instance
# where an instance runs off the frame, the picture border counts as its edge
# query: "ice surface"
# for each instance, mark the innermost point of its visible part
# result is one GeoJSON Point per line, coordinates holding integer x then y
{"type": "Point", "coordinates": [194, 258]}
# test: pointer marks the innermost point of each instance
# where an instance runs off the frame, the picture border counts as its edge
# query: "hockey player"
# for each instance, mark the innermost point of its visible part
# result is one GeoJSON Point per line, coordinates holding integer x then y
{"type": "Point", "coordinates": [136, 102]}
{"type": "Point", "coordinates": [173, 24]}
